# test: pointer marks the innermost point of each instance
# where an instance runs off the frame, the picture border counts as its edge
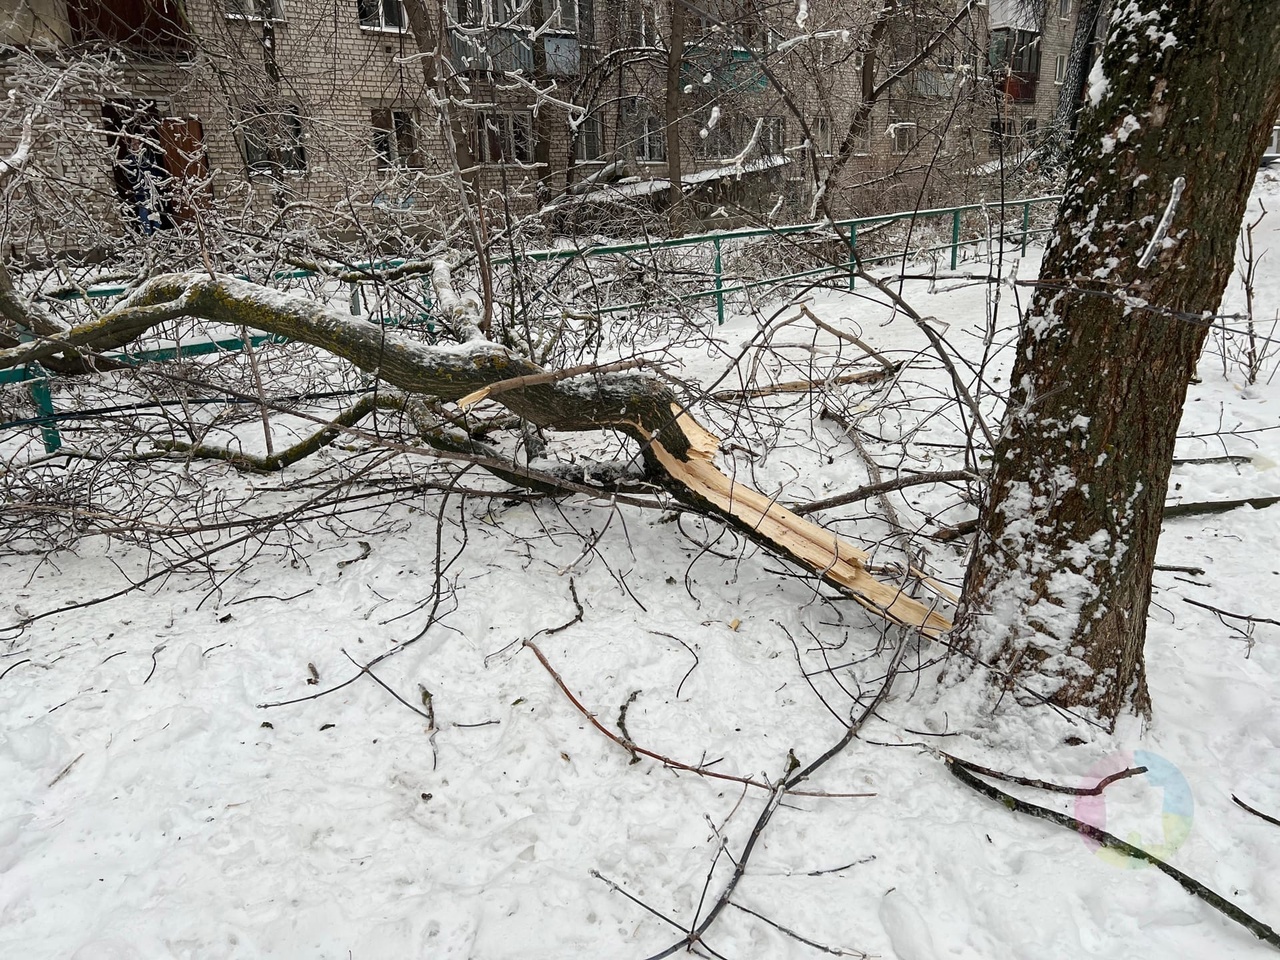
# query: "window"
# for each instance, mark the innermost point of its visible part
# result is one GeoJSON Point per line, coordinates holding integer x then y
{"type": "Point", "coordinates": [1064, 9]}
{"type": "Point", "coordinates": [651, 139]}
{"type": "Point", "coordinates": [381, 14]}
{"type": "Point", "coordinates": [934, 83]}
{"type": "Point", "coordinates": [772, 137]}
{"type": "Point", "coordinates": [502, 137]}
{"type": "Point", "coordinates": [820, 129]}
{"type": "Point", "coordinates": [642, 24]}
{"type": "Point", "coordinates": [904, 137]}
{"type": "Point", "coordinates": [1018, 50]}
{"type": "Point", "coordinates": [254, 9]}
{"type": "Point", "coordinates": [862, 137]}
{"type": "Point", "coordinates": [396, 138]}
{"type": "Point", "coordinates": [716, 141]}
{"type": "Point", "coordinates": [154, 26]}
{"type": "Point", "coordinates": [1060, 68]}
{"type": "Point", "coordinates": [273, 140]}
{"type": "Point", "coordinates": [590, 141]}
{"type": "Point", "coordinates": [472, 12]}
{"type": "Point", "coordinates": [563, 15]}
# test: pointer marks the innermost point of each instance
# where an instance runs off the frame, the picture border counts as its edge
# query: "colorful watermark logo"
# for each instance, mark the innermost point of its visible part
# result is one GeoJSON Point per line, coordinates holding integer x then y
{"type": "Point", "coordinates": [1177, 807]}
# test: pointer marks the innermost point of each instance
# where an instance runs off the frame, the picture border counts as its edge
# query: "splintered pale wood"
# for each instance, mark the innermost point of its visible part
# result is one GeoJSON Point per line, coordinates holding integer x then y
{"type": "Point", "coordinates": [820, 550]}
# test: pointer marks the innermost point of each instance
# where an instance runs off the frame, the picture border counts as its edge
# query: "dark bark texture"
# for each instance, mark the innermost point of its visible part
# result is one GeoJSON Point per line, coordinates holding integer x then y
{"type": "Point", "coordinates": [1057, 592]}
{"type": "Point", "coordinates": [1071, 93]}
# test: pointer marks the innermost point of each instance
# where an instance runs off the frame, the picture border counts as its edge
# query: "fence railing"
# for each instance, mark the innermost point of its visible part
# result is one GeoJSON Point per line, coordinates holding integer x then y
{"type": "Point", "coordinates": [719, 290]}
{"type": "Point", "coordinates": [841, 228]}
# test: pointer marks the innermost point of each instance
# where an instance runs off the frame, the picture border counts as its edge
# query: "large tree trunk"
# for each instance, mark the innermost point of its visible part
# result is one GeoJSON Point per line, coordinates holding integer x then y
{"type": "Point", "coordinates": [671, 117]}
{"type": "Point", "coordinates": [1071, 93]}
{"type": "Point", "coordinates": [1057, 591]}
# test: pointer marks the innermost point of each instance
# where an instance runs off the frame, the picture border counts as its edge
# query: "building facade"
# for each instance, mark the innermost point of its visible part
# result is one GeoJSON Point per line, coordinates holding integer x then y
{"type": "Point", "coordinates": [355, 109]}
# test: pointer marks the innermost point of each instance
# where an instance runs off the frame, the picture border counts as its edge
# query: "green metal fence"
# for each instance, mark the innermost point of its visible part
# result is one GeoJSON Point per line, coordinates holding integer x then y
{"type": "Point", "coordinates": [846, 228]}
{"type": "Point", "coordinates": [719, 290]}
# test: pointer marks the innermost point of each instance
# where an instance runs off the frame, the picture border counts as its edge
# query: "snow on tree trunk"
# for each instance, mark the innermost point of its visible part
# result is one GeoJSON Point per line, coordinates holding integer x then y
{"type": "Point", "coordinates": [1057, 591]}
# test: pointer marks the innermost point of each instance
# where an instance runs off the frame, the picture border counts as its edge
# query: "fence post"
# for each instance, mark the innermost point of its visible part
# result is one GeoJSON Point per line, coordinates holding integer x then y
{"type": "Point", "coordinates": [355, 299]}
{"type": "Point", "coordinates": [44, 405]}
{"type": "Point", "coordinates": [719, 283]}
{"type": "Point", "coordinates": [853, 252]}
{"type": "Point", "coordinates": [955, 238]}
{"type": "Point", "coordinates": [1026, 225]}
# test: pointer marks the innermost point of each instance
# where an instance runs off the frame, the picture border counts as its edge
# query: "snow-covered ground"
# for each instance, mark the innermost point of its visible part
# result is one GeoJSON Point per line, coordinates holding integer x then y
{"type": "Point", "coordinates": [151, 807]}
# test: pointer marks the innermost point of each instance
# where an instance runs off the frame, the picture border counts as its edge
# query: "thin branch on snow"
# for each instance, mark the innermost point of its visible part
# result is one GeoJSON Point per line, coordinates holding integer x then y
{"type": "Point", "coordinates": [1262, 931]}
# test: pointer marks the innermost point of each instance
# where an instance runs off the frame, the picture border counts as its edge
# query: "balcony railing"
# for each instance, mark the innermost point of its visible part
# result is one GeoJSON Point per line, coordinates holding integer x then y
{"type": "Point", "coordinates": [733, 68]}
{"type": "Point", "coordinates": [493, 50]}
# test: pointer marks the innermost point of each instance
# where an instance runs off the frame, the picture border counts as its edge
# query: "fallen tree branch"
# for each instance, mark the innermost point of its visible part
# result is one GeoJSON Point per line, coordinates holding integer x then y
{"type": "Point", "coordinates": [674, 446]}
{"type": "Point", "coordinates": [875, 489]}
{"type": "Point", "coordinates": [801, 386]}
{"type": "Point", "coordinates": [837, 951]}
{"type": "Point", "coordinates": [889, 366]}
{"type": "Point", "coordinates": [1194, 887]}
{"type": "Point", "coordinates": [786, 785]}
{"type": "Point", "coordinates": [550, 376]}
{"type": "Point", "coordinates": [1094, 791]}
{"type": "Point", "coordinates": [632, 749]}
{"type": "Point", "coordinates": [1257, 813]}
{"type": "Point", "coordinates": [1216, 506]}
{"type": "Point", "coordinates": [1228, 613]}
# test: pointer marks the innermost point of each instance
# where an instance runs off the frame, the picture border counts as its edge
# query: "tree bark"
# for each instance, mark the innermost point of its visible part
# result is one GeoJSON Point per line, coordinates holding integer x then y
{"type": "Point", "coordinates": [1071, 94]}
{"type": "Point", "coordinates": [1057, 591]}
{"type": "Point", "coordinates": [671, 117]}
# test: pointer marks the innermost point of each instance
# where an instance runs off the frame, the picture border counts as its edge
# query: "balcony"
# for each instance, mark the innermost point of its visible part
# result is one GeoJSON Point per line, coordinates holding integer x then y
{"type": "Point", "coordinates": [493, 50]}
{"type": "Point", "coordinates": [563, 56]}
{"type": "Point", "coordinates": [148, 27]}
{"type": "Point", "coordinates": [733, 69]}
{"type": "Point", "coordinates": [1018, 87]}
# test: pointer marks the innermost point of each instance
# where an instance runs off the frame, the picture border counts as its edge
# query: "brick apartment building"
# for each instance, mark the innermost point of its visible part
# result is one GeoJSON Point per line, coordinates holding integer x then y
{"type": "Point", "coordinates": [334, 104]}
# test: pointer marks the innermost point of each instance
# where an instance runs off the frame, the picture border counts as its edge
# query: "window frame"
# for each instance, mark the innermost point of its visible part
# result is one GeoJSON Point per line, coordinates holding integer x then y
{"type": "Point", "coordinates": [651, 139]}
{"type": "Point", "coordinates": [773, 136]}
{"type": "Point", "coordinates": [862, 144]}
{"type": "Point", "coordinates": [402, 133]}
{"type": "Point", "coordinates": [365, 9]}
{"type": "Point", "coordinates": [1019, 51]}
{"type": "Point", "coordinates": [512, 130]}
{"type": "Point", "coordinates": [590, 129]}
{"type": "Point", "coordinates": [1064, 9]}
{"type": "Point", "coordinates": [898, 127]}
{"type": "Point", "coordinates": [821, 131]}
{"type": "Point", "coordinates": [258, 149]}
{"type": "Point", "coordinates": [1001, 134]}
{"type": "Point", "coordinates": [558, 23]}
{"type": "Point", "coordinates": [1060, 69]}
{"type": "Point", "coordinates": [277, 7]}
